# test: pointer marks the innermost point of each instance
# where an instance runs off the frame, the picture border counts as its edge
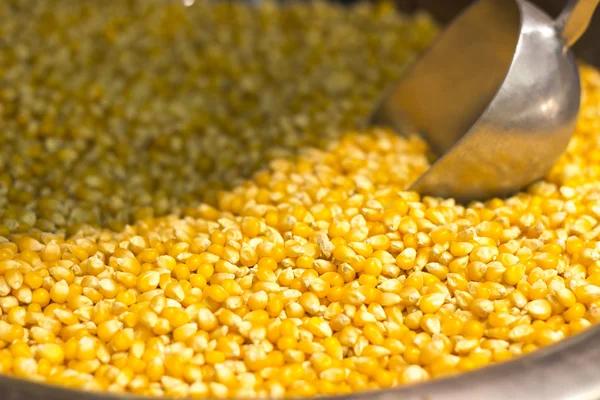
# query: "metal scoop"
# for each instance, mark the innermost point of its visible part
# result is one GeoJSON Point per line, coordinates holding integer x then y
{"type": "Point", "coordinates": [496, 97]}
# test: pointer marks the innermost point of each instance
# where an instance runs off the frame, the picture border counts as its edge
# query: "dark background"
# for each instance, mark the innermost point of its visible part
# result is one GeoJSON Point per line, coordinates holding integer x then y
{"type": "Point", "coordinates": [587, 48]}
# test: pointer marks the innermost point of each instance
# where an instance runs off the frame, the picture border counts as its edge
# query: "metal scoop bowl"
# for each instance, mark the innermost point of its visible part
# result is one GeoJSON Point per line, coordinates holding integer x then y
{"type": "Point", "coordinates": [496, 97]}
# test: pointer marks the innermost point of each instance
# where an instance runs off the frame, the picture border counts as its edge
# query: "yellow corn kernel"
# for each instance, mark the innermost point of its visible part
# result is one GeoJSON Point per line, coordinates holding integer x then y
{"type": "Point", "coordinates": [539, 309]}
{"type": "Point", "coordinates": [431, 303]}
{"type": "Point", "coordinates": [216, 293]}
{"type": "Point", "coordinates": [318, 327]}
{"type": "Point", "coordinates": [459, 249]}
{"type": "Point", "coordinates": [406, 259]}
{"type": "Point", "coordinates": [59, 292]}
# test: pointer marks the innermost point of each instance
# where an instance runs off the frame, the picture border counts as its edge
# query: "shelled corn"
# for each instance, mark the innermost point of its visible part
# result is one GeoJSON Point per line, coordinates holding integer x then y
{"type": "Point", "coordinates": [112, 111]}
{"type": "Point", "coordinates": [320, 275]}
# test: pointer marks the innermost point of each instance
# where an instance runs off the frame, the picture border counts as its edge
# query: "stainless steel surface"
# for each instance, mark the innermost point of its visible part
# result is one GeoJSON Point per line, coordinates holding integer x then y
{"type": "Point", "coordinates": [496, 97]}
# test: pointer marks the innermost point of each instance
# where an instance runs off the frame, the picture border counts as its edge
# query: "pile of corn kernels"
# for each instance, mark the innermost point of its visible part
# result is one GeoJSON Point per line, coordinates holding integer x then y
{"type": "Point", "coordinates": [318, 276]}
{"type": "Point", "coordinates": [114, 111]}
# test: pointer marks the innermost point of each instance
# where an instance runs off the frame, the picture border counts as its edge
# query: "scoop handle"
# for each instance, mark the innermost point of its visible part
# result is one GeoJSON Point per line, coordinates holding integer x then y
{"type": "Point", "coordinates": [575, 19]}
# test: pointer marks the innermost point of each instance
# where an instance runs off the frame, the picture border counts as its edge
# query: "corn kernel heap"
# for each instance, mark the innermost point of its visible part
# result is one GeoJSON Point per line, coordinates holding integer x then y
{"type": "Point", "coordinates": [318, 276]}
{"type": "Point", "coordinates": [113, 111]}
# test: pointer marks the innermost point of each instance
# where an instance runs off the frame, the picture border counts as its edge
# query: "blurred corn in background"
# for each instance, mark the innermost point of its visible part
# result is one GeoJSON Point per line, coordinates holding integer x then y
{"type": "Point", "coordinates": [114, 111]}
